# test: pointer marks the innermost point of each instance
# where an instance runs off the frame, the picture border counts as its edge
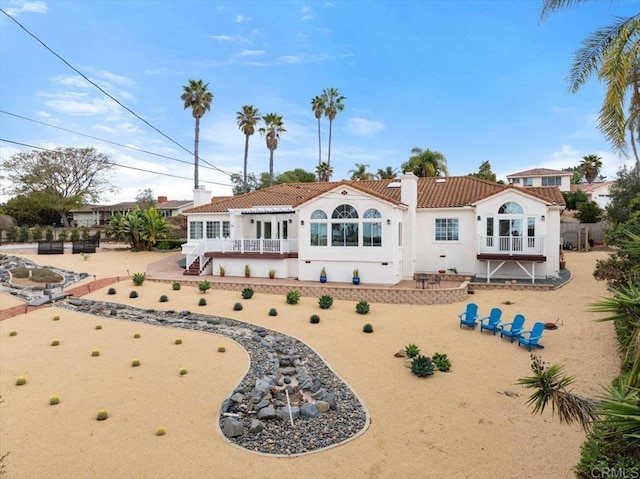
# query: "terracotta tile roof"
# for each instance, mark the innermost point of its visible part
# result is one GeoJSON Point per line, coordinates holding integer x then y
{"type": "Point", "coordinates": [440, 192]}
{"type": "Point", "coordinates": [540, 172]}
{"type": "Point", "coordinates": [587, 187]}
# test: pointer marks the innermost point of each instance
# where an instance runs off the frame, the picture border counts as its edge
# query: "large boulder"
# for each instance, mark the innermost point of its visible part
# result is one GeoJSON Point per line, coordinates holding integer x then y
{"type": "Point", "coordinates": [268, 412]}
{"type": "Point", "coordinates": [232, 427]}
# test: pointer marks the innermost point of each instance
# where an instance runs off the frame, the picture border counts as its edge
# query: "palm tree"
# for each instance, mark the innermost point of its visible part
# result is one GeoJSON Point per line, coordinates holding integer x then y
{"type": "Point", "coordinates": [324, 171]}
{"type": "Point", "coordinates": [360, 173]}
{"type": "Point", "coordinates": [611, 54]}
{"type": "Point", "coordinates": [388, 173]}
{"type": "Point", "coordinates": [426, 163]}
{"type": "Point", "coordinates": [333, 104]}
{"type": "Point", "coordinates": [272, 129]}
{"type": "Point", "coordinates": [247, 119]}
{"type": "Point", "coordinates": [318, 106]}
{"type": "Point", "coordinates": [197, 98]}
{"type": "Point", "coordinates": [590, 166]}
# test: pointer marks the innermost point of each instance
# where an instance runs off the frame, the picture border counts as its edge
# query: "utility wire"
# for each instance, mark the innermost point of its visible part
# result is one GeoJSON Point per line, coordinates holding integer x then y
{"type": "Point", "coordinates": [116, 164]}
{"type": "Point", "coordinates": [100, 139]}
{"type": "Point", "coordinates": [106, 93]}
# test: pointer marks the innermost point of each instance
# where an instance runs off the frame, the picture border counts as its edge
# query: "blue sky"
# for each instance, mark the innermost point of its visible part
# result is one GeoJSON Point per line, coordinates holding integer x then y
{"type": "Point", "coordinates": [476, 80]}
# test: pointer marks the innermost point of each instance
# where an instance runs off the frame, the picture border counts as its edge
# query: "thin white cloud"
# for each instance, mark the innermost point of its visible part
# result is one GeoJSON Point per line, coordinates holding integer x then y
{"type": "Point", "coordinates": [221, 38]}
{"type": "Point", "coordinates": [156, 71]}
{"type": "Point", "coordinates": [364, 127]}
{"type": "Point", "coordinates": [306, 13]}
{"type": "Point", "coordinates": [44, 114]}
{"type": "Point", "coordinates": [114, 78]}
{"type": "Point", "coordinates": [26, 7]}
{"type": "Point", "coordinates": [104, 128]}
{"type": "Point", "coordinates": [242, 19]}
{"type": "Point", "coordinates": [250, 53]}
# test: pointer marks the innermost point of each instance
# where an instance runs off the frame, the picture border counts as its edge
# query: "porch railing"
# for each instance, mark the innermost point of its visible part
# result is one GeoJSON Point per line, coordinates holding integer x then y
{"type": "Point", "coordinates": [245, 245]}
{"type": "Point", "coordinates": [197, 252]}
{"type": "Point", "coordinates": [511, 245]}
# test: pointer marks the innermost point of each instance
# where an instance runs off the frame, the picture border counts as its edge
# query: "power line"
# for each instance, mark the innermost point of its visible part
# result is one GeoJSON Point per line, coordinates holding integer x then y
{"type": "Point", "coordinates": [106, 93]}
{"type": "Point", "coordinates": [117, 164]}
{"type": "Point", "coordinates": [100, 139]}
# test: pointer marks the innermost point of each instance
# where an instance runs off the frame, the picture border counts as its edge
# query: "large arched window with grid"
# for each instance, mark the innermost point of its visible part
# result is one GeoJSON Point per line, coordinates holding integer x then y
{"type": "Point", "coordinates": [344, 226]}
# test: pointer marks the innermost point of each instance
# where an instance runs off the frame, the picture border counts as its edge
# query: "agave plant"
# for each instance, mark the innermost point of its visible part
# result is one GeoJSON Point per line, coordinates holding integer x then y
{"type": "Point", "coordinates": [293, 297]}
{"type": "Point", "coordinates": [441, 361]}
{"type": "Point", "coordinates": [422, 366]}
{"type": "Point", "coordinates": [411, 350]}
{"type": "Point", "coordinates": [325, 301]}
{"type": "Point", "coordinates": [362, 307]}
{"type": "Point", "coordinates": [138, 278]}
{"type": "Point", "coordinates": [204, 285]}
{"type": "Point", "coordinates": [247, 293]}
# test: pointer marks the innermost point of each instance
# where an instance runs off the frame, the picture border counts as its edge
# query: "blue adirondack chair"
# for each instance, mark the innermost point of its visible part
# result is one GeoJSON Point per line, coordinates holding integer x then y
{"type": "Point", "coordinates": [491, 322]}
{"type": "Point", "coordinates": [470, 316]}
{"type": "Point", "coordinates": [513, 329]}
{"type": "Point", "coordinates": [531, 341]}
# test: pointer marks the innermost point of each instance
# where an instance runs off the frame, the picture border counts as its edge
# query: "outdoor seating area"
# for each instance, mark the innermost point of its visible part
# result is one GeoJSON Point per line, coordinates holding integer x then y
{"type": "Point", "coordinates": [428, 280]}
{"type": "Point", "coordinates": [514, 330]}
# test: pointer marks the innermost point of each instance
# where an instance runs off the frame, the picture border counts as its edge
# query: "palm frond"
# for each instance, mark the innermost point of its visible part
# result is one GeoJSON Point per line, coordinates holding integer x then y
{"type": "Point", "coordinates": [619, 412]}
{"type": "Point", "coordinates": [551, 6]}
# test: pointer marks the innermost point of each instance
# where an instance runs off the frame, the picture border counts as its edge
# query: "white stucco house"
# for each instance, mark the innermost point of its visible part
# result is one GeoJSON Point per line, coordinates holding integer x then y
{"type": "Point", "coordinates": [388, 229]}
{"type": "Point", "coordinates": [599, 192]}
{"type": "Point", "coordinates": [542, 177]}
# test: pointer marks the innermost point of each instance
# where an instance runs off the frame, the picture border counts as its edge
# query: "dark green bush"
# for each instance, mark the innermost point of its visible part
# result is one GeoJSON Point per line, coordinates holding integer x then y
{"type": "Point", "coordinates": [204, 285]}
{"type": "Point", "coordinates": [164, 298]}
{"type": "Point", "coordinates": [293, 297]}
{"type": "Point", "coordinates": [75, 234]}
{"type": "Point", "coordinates": [36, 233]}
{"type": "Point", "coordinates": [133, 294]}
{"type": "Point", "coordinates": [111, 291]}
{"type": "Point", "coordinates": [273, 312]}
{"type": "Point", "coordinates": [367, 328]}
{"type": "Point", "coordinates": [237, 307]}
{"type": "Point", "coordinates": [325, 301]}
{"type": "Point", "coordinates": [442, 362]}
{"type": "Point", "coordinates": [24, 234]}
{"type": "Point", "coordinates": [422, 366]}
{"type": "Point", "coordinates": [175, 286]}
{"type": "Point", "coordinates": [48, 234]}
{"type": "Point", "coordinates": [247, 293]}
{"type": "Point", "coordinates": [362, 307]}
{"type": "Point", "coordinates": [202, 302]}
{"type": "Point", "coordinates": [314, 319]}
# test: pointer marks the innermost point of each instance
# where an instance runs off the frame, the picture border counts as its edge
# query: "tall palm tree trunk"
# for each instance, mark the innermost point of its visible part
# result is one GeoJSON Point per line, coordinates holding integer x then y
{"type": "Point", "coordinates": [270, 167]}
{"type": "Point", "coordinates": [319, 144]}
{"type": "Point", "coordinates": [329, 148]}
{"type": "Point", "coordinates": [246, 156]}
{"type": "Point", "coordinates": [195, 154]}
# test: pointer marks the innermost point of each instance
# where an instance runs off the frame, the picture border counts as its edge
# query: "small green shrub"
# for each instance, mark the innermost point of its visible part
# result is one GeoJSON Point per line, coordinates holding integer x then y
{"type": "Point", "coordinates": [325, 301]}
{"type": "Point", "coordinates": [21, 381]}
{"type": "Point", "coordinates": [55, 342]}
{"type": "Point", "coordinates": [136, 335]}
{"type": "Point", "coordinates": [95, 353]}
{"type": "Point", "coordinates": [178, 341]}
{"type": "Point", "coordinates": [237, 307]}
{"type": "Point", "coordinates": [56, 318]}
{"type": "Point", "coordinates": [133, 294]}
{"type": "Point", "coordinates": [102, 414]}
{"type": "Point", "coordinates": [161, 431]}
{"type": "Point", "coordinates": [314, 319]}
{"type": "Point", "coordinates": [442, 362]}
{"type": "Point", "coordinates": [412, 350]}
{"type": "Point", "coordinates": [247, 293]}
{"type": "Point", "coordinates": [135, 363]}
{"type": "Point", "coordinates": [367, 328]}
{"type": "Point", "coordinates": [204, 285]}
{"type": "Point", "coordinates": [273, 312]}
{"type": "Point", "coordinates": [111, 291]}
{"type": "Point", "coordinates": [175, 286]}
{"type": "Point", "coordinates": [422, 366]}
{"type": "Point", "coordinates": [53, 400]}
{"type": "Point", "coordinates": [202, 302]}
{"type": "Point", "coordinates": [293, 297]}
{"type": "Point", "coordinates": [75, 234]}
{"type": "Point", "coordinates": [13, 333]}
{"type": "Point", "coordinates": [362, 307]}
{"type": "Point", "coordinates": [164, 298]}
{"type": "Point", "coordinates": [183, 371]}
{"type": "Point", "coordinates": [138, 278]}
{"type": "Point", "coordinates": [221, 349]}
{"type": "Point", "coordinates": [98, 326]}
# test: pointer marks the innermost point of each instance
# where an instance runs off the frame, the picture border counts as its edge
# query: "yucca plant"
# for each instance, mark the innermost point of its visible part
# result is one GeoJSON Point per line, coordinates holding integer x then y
{"type": "Point", "coordinates": [247, 293]}
{"type": "Point", "coordinates": [422, 366]}
{"type": "Point", "coordinates": [362, 307]}
{"type": "Point", "coordinates": [138, 278]}
{"type": "Point", "coordinates": [411, 350]}
{"type": "Point", "coordinates": [204, 285]}
{"type": "Point", "coordinates": [325, 301]}
{"type": "Point", "coordinates": [441, 361]}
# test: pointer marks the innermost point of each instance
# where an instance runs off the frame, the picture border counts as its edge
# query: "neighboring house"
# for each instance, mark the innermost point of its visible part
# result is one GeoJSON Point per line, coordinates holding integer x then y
{"type": "Point", "coordinates": [388, 229]}
{"type": "Point", "coordinates": [598, 192]}
{"type": "Point", "coordinates": [94, 215]}
{"type": "Point", "coordinates": [542, 177]}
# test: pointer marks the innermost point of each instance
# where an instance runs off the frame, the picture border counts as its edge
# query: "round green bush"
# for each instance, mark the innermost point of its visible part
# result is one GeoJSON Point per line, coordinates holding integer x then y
{"type": "Point", "coordinates": [135, 363]}
{"type": "Point", "coordinates": [95, 353]}
{"type": "Point", "coordinates": [175, 286]}
{"type": "Point", "coordinates": [183, 371]}
{"type": "Point", "coordinates": [136, 335]}
{"type": "Point", "coordinates": [98, 326]}
{"type": "Point", "coordinates": [102, 414]}
{"type": "Point", "coordinates": [56, 318]}
{"type": "Point", "coordinates": [367, 328]}
{"type": "Point", "coordinates": [161, 431]}
{"type": "Point", "coordinates": [178, 341]}
{"type": "Point", "coordinates": [55, 399]}
{"type": "Point", "coordinates": [164, 298]}
{"type": "Point", "coordinates": [133, 294]}
{"type": "Point", "coordinates": [273, 312]}
{"type": "Point", "coordinates": [111, 291]}
{"type": "Point", "coordinates": [237, 307]}
{"type": "Point", "coordinates": [13, 333]}
{"type": "Point", "coordinates": [21, 381]}
{"type": "Point", "coordinates": [314, 319]}
{"type": "Point", "coordinates": [55, 342]}
{"type": "Point", "coordinates": [202, 302]}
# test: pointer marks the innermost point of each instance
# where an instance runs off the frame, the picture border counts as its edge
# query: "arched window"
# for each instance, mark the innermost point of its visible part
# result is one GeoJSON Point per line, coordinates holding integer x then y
{"type": "Point", "coordinates": [510, 208]}
{"type": "Point", "coordinates": [372, 229]}
{"type": "Point", "coordinates": [318, 228]}
{"type": "Point", "coordinates": [344, 232]}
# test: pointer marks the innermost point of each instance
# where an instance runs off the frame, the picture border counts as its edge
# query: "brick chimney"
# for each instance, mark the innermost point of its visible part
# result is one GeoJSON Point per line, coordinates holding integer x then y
{"type": "Point", "coordinates": [162, 199]}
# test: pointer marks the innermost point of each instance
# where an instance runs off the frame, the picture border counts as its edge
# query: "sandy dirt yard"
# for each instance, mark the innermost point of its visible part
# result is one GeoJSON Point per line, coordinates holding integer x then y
{"type": "Point", "coordinates": [450, 425]}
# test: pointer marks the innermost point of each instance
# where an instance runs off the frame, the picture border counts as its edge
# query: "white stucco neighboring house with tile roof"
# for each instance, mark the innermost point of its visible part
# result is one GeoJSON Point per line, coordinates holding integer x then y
{"type": "Point", "coordinates": [542, 177]}
{"type": "Point", "coordinates": [599, 192]}
{"type": "Point", "coordinates": [387, 229]}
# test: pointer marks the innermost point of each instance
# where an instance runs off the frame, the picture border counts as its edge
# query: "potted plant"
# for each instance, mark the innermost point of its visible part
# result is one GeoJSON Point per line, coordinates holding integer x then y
{"type": "Point", "coordinates": [272, 273]}
{"type": "Point", "coordinates": [247, 271]}
{"type": "Point", "coordinates": [563, 263]}
{"type": "Point", "coordinates": [222, 271]}
{"type": "Point", "coordinates": [323, 275]}
{"type": "Point", "coordinates": [356, 276]}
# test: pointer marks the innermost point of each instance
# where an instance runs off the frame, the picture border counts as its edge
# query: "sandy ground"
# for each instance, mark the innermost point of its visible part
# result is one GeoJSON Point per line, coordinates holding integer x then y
{"type": "Point", "coordinates": [455, 424]}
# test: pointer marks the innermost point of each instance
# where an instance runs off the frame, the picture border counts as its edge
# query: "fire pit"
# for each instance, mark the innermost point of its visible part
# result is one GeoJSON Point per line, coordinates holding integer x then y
{"type": "Point", "coordinates": [550, 326]}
